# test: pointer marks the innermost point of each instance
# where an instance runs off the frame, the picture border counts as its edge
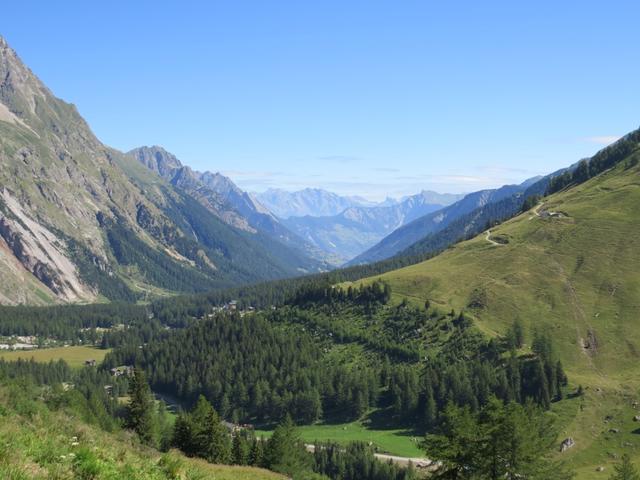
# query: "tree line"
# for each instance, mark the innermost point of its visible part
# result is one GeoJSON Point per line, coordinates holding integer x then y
{"type": "Point", "coordinates": [201, 433]}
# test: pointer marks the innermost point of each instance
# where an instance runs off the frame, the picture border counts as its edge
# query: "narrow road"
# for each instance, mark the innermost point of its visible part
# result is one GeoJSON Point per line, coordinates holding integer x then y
{"type": "Point", "coordinates": [536, 211]}
{"type": "Point", "coordinates": [383, 457]}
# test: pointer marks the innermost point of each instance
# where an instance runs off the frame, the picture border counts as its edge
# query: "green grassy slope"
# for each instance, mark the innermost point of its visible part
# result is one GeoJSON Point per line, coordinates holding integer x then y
{"type": "Point", "coordinates": [36, 443]}
{"type": "Point", "coordinates": [575, 275]}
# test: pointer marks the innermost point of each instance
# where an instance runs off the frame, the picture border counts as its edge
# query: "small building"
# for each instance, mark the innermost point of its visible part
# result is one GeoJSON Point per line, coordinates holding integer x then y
{"type": "Point", "coordinates": [90, 363]}
{"type": "Point", "coordinates": [123, 370]}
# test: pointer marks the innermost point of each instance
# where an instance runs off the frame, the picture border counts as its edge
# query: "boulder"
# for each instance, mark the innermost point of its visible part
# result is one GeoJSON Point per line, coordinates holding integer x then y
{"type": "Point", "coordinates": [566, 444]}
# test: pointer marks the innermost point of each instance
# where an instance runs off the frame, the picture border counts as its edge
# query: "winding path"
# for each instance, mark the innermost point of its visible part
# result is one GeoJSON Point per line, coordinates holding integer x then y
{"type": "Point", "coordinates": [536, 211]}
{"type": "Point", "coordinates": [492, 242]}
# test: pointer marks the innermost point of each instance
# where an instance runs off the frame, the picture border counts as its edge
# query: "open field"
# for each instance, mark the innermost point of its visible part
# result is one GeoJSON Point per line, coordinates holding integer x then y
{"type": "Point", "coordinates": [393, 441]}
{"type": "Point", "coordinates": [74, 356]}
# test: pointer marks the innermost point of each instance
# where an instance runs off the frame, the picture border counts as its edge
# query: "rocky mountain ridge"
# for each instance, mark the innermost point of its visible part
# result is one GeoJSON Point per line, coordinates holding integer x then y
{"type": "Point", "coordinates": [80, 221]}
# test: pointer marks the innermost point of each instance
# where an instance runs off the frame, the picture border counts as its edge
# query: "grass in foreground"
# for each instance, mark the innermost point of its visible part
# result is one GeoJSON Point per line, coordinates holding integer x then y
{"type": "Point", "coordinates": [74, 356]}
{"type": "Point", "coordinates": [36, 443]}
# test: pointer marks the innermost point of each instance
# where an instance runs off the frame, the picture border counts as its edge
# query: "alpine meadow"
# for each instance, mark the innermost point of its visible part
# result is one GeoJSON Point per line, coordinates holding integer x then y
{"type": "Point", "coordinates": [365, 241]}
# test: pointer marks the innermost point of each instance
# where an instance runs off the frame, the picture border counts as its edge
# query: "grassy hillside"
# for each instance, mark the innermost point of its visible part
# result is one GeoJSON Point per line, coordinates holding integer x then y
{"type": "Point", "coordinates": [36, 443]}
{"type": "Point", "coordinates": [569, 266]}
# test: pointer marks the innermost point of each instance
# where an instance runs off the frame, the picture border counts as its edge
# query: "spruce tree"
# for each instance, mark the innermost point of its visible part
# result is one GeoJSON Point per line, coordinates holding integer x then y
{"type": "Point", "coordinates": [183, 435]}
{"type": "Point", "coordinates": [625, 470]}
{"type": "Point", "coordinates": [285, 453]}
{"type": "Point", "coordinates": [256, 454]}
{"type": "Point", "coordinates": [240, 449]}
{"type": "Point", "coordinates": [518, 334]}
{"type": "Point", "coordinates": [141, 409]}
{"type": "Point", "coordinates": [211, 438]}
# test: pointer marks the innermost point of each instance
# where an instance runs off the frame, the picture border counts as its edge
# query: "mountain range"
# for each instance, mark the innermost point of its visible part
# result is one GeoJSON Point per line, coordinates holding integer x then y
{"type": "Point", "coordinates": [357, 228]}
{"type": "Point", "coordinates": [315, 202]}
{"type": "Point", "coordinates": [406, 235]}
{"type": "Point", "coordinates": [80, 221]}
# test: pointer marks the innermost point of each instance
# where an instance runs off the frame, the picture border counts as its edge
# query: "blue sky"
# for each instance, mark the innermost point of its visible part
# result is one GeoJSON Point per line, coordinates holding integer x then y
{"type": "Point", "coordinates": [368, 98]}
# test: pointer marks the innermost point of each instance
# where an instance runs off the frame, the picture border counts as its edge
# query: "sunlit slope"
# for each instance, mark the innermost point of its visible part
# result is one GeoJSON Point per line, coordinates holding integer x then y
{"type": "Point", "coordinates": [37, 443]}
{"type": "Point", "coordinates": [576, 274]}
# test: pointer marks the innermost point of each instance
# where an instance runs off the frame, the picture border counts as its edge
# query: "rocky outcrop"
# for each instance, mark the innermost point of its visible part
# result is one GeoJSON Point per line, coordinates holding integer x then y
{"type": "Point", "coordinates": [40, 252]}
{"type": "Point", "coordinates": [567, 443]}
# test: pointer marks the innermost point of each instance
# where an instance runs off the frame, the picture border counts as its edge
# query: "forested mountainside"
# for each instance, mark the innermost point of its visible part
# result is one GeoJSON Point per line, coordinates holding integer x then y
{"type": "Point", "coordinates": [432, 223]}
{"type": "Point", "coordinates": [357, 228]}
{"type": "Point", "coordinates": [567, 266]}
{"type": "Point", "coordinates": [223, 198]}
{"type": "Point", "coordinates": [336, 355]}
{"type": "Point", "coordinates": [80, 221]}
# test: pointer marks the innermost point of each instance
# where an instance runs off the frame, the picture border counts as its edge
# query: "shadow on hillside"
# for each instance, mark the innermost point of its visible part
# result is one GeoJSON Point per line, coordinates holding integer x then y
{"type": "Point", "coordinates": [383, 419]}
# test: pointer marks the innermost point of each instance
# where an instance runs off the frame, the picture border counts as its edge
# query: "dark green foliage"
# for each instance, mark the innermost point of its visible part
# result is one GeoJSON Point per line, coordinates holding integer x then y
{"type": "Point", "coordinates": [376, 292]}
{"type": "Point", "coordinates": [501, 441]}
{"type": "Point", "coordinates": [530, 202]}
{"type": "Point", "coordinates": [156, 267]}
{"type": "Point", "coordinates": [356, 462]}
{"type": "Point", "coordinates": [84, 394]}
{"type": "Point", "coordinates": [515, 335]}
{"type": "Point", "coordinates": [39, 373]}
{"type": "Point", "coordinates": [99, 276]}
{"type": "Point", "coordinates": [256, 454]}
{"type": "Point", "coordinates": [248, 366]}
{"type": "Point", "coordinates": [603, 160]}
{"type": "Point", "coordinates": [65, 322]}
{"type": "Point", "coordinates": [285, 452]}
{"type": "Point", "coordinates": [141, 409]}
{"type": "Point", "coordinates": [240, 449]}
{"type": "Point", "coordinates": [200, 433]}
{"type": "Point", "coordinates": [625, 470]}
{"type": "Point", "coordinates": [467, 372]}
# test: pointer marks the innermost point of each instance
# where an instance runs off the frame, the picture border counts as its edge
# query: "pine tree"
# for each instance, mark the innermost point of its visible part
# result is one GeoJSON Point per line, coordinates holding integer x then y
{"type": "Point", "coordinates": [285, 452]}
{"type": "Point", "coordinates": [141, 409]}
{"type": "Point", "coordinates": [518, 333]}
{"type": "Point", "coordinates": [625, 470]}
{"type": "Point", "coordinates": [240, 449]}
{"type": "Point", "coordinates": [213, 437]}
{"type": "Point", "coordinates": [499, 442]}
{"type": "Point", "coordinates": [453, 445]}
{"type": "Point", "coordinates": [256, 455]}
{"type": "Point", "coordinates": [165, 431]}
{"type": "Point", "coordinates": [430, 408]}
{"type": "Point", "coordinates": [183, 435]}
{"type": "Point", "coordinates": [561, 380]}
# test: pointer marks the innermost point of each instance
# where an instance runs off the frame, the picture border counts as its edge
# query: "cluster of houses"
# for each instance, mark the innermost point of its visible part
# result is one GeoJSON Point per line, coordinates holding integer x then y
{"type": "Point", "coordinates": [231, 306]}
{"type": "Point", "coordinates": [123, 370]}
{"type": "Point", "coordinates": [25, 342]}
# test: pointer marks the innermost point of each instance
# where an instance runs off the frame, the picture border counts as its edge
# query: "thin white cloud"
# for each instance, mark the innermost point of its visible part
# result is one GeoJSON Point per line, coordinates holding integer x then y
{"type": "Point", "coordinates": [602, 139]}
{"type": "Point", "coordinates": [340, 158]}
